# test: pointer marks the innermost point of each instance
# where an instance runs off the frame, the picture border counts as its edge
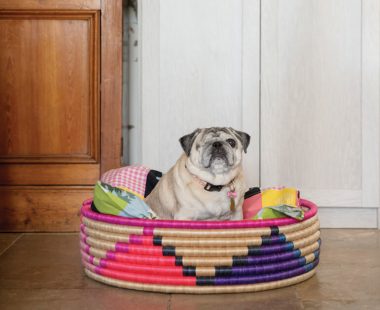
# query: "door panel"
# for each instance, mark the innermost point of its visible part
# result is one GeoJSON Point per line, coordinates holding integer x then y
{"type": "Point", "coordinates": [311, 104]}
{"type": "Point", "coordinates": [52, 58]}
{"type": "Point", "coordinates": [320, 105]}
{"type": "Point", "coordinates": [215, 83]}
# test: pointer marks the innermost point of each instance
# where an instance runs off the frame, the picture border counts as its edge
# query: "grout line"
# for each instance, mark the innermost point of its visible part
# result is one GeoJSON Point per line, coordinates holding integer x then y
{"type": "Point", "coordinates": [54, 233]}
{"type": "Point", "coordinates": [298, 298]}
{"type": "Point", "coordinates": [13, 242]}
{"type": "Point", "coordinates": [169, 305]}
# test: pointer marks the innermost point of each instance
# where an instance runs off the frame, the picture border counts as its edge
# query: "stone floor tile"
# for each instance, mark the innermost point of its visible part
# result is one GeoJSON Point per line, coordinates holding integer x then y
{"type": "Point", "coordinates": [43, 261]}
{"type": "Point", "coordinates": [340, 305]}
{"type": "Point", "coordinates": [81, 299]}
{"type": "Point", "coordinates": [284, 298]}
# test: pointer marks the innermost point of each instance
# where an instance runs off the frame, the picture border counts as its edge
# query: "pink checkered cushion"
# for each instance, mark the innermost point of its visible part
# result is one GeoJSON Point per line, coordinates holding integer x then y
{"type": "Point", "coordinates": [131, 177]}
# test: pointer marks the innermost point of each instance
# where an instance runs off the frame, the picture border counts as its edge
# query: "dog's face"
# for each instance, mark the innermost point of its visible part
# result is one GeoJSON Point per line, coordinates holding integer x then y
{"type": "Point", "coordinates": [217, 150]}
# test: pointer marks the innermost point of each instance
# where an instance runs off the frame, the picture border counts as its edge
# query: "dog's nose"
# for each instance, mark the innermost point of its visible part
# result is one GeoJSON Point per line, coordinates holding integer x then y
{"type": "Point", "coordinates": [217, 145]}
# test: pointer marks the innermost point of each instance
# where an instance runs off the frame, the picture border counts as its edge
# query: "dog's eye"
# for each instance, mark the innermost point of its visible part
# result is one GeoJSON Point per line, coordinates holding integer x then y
{"type": "Point", "coordinates": [231, 142]}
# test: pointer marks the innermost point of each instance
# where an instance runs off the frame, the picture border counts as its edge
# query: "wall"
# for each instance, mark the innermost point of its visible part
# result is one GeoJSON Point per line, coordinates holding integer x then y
{"type": "Point", "coordinates": [302, 77]}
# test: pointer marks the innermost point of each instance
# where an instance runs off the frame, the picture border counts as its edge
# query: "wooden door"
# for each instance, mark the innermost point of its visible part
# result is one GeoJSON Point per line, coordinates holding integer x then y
{"type": "Point", "coordinates": [60, 101]}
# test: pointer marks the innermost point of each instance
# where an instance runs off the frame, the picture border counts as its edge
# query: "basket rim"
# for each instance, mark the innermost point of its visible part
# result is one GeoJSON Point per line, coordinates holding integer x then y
{"type": "Point", "coordinates": [149, 224]}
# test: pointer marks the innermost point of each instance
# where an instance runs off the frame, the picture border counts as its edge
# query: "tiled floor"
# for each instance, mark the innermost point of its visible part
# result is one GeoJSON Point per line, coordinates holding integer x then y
{"type": "Point", "coordinates": [43, 271]}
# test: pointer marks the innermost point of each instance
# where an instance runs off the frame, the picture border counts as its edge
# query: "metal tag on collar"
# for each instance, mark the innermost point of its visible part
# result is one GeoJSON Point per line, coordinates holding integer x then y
{"type": "Point", "coordinates": [232, 195]}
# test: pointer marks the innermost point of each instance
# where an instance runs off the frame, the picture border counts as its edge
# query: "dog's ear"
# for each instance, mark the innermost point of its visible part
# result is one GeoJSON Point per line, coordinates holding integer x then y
{"type": "Point", "coordinates": [188, 140]}
{"type": "Point", "coordinates": [243, 137]}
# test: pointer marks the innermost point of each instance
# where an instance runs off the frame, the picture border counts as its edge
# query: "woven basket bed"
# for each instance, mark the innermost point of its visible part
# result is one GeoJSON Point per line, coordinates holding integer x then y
{"type": "Point", "coordinates": [199, 257]}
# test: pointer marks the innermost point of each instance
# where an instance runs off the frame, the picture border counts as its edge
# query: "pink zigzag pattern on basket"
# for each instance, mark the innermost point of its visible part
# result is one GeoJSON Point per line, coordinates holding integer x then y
{"type": "Point", "coordinates": [131, 177]}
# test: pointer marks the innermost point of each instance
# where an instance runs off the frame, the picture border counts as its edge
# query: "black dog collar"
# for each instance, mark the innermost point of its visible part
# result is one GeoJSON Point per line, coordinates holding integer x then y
{"type": "Point", "coordinates": [211, 187]}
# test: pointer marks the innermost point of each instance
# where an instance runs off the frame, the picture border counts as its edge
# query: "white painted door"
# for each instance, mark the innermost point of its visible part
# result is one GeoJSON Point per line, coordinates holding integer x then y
{"type": "Point", "coordinates": [313, 117]}
{"type": "Point", "coordinates": [319, 120]}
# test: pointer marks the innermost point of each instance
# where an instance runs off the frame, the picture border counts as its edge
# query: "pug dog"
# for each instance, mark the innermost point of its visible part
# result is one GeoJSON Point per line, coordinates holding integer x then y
{"type": "Point", "coordinates": [207, 181]}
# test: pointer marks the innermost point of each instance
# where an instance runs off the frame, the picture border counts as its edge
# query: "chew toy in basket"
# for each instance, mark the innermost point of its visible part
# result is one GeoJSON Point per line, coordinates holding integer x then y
{"type": "Point", "coordinates": [199, 257]}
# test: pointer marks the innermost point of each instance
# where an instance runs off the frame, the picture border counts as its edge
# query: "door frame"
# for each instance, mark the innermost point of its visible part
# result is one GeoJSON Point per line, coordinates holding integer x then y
{"type": "Point", "coordinates": [111, 84]}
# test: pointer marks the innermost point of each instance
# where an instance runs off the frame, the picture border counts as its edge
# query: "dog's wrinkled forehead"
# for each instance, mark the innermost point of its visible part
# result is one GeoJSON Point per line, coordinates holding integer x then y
{"type": "Point", "coordinates": [215, 133]}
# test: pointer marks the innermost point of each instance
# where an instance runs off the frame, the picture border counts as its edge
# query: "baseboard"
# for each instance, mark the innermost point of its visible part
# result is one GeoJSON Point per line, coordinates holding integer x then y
{"type": "Point", "coordinates": [339, 217]}
{"type": "Point", "coordinates": [41, 208]}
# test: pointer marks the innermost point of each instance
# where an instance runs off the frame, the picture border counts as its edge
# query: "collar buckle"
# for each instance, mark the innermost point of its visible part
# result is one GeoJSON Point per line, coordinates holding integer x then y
{"type": "Point", "coordinates": [213, 188]}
